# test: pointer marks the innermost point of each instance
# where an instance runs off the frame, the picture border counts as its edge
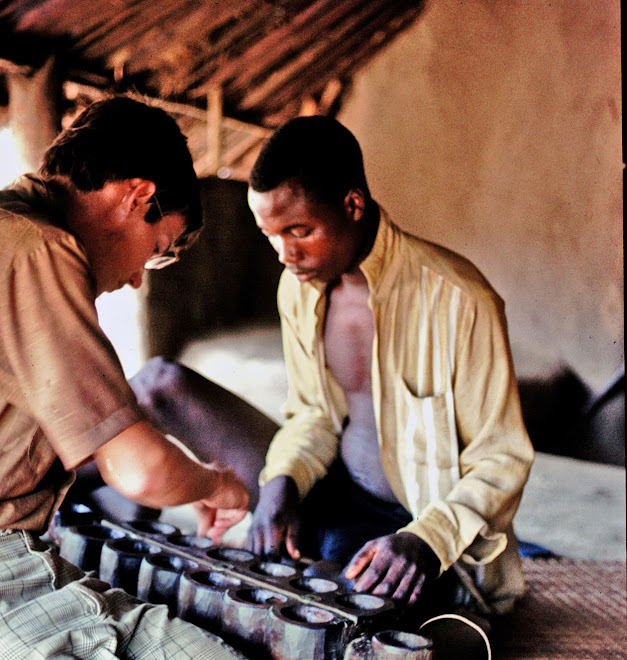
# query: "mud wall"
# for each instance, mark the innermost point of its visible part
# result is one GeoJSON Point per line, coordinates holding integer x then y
{"type": "Point", "coordinates": [494, 128]}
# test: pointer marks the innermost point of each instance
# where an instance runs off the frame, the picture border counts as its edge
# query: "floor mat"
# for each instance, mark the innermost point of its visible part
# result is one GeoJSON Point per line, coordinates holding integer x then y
{"type": "Point", "coordinates": [573, 610]}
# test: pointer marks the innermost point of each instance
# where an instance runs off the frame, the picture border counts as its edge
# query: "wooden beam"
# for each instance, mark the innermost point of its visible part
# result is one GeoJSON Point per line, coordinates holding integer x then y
{"type": "Point", "coordinates": [330, 94]}
{"type": "Point", "coordinates": [73, 89]}
{"type": "Point", "coordinates": [253, 129]}
{"type": "Point", "coordinates": [237, 151]}
{"type": "Point", "coordinates": [312, 62]}
{"type": "Point", "coordinates": [257, 59]}
{"type": "Point", "coordinates": [194, 27]}
{"type": "Point", "coordinates": [315, 51]}
{"type": "Point", "coordinates": [6, 66]}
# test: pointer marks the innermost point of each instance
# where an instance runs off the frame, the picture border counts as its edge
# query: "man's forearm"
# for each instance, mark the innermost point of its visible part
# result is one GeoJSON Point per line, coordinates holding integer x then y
{"type": "Point", "coordinates": [149, 469]}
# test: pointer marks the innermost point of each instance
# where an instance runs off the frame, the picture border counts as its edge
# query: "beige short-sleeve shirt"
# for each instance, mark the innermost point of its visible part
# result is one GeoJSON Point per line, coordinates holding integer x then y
{"type": "Point", "coordinates": [63, 393]}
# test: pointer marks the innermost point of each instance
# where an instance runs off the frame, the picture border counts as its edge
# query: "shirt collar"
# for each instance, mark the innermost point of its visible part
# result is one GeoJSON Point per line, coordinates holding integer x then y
{"type": "Point", "coordinates": [372, 266]}
{"type": "Point", "coordinates": [42, 195]}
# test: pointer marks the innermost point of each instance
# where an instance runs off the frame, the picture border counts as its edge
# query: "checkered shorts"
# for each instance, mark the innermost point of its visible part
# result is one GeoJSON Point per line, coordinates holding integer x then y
{"type": "Point", "coordinates": [51, 609]}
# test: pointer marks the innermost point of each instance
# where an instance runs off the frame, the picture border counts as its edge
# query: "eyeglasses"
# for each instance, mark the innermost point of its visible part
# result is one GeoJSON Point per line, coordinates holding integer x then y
{"type": "Point", "coordinates": [160, 261]}
{"type": "Point", "coordinates": [167, 258]}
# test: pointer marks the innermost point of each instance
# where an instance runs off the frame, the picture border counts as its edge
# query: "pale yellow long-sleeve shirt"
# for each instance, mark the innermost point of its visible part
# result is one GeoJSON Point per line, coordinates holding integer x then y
{"type": "Point", "coordinates": [452, 440]}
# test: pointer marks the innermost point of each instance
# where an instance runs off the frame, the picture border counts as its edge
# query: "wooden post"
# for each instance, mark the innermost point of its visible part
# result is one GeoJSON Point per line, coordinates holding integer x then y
{"type": "Point", "coordinates": [214, 129]}
{"type": "Point", "coordinates": [34, 111]}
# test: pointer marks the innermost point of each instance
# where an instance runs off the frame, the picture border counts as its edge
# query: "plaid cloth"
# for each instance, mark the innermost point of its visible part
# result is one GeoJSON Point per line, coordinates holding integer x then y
{"type": "Point", "coordinates": [51, 609]}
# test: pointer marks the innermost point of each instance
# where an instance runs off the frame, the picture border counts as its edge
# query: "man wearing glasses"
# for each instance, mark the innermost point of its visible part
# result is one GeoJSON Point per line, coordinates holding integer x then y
{"type": "Point", "coordinates": [116, 194]}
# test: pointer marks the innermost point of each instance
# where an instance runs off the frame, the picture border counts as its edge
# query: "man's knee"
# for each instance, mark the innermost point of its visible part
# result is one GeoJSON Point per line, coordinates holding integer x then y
{"type": "Point", "coordinates": [155, 381]}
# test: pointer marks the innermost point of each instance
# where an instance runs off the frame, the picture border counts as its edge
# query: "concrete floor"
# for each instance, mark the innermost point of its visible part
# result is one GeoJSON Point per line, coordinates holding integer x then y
{"type": "Point", "coordinates": [574, 508]}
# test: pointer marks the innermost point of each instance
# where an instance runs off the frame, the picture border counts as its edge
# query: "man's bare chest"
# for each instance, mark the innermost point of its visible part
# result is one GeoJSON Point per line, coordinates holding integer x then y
{"type": "Point", "coordinates": [348, 337]}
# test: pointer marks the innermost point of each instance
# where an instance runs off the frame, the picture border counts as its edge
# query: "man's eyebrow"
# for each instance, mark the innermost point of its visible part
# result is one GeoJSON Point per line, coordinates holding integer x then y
{"type": "Point", "coordinates": [295, 225]}
{"type": "Point", "coordinates": [284, 229]}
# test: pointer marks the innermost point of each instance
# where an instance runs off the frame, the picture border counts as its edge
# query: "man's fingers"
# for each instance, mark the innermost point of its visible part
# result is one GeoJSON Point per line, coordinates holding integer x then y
{"type": "Point", "coordinates": [230, 517]}
{"type": "Point", "coordinates": [255, 540]}
{"type": "Point", "coordinates": [417, 589]}
{"type": "Point", "coordinates": [359, 562]}
{"type": "Point", "coordinates": [214, 522]}
{"type": "Point", "coordinates": [273, 538]}
{"type": "Point", "coordinates": [406, 584]}
{"type": "Point", "coordinates": [381, 572]}
{"type": "Point", "coordinates": [206, 518]}
{"type": "Point", "coordinates": [291, 544]}
{"type": "Point", "coordinates": [264, 540]}
{"type": "Point", "coordinates": [392, 574]}
{"type": "Point", "coordinates": [371, 577]}
{"type": "Point", "coordinates": [224, 519]}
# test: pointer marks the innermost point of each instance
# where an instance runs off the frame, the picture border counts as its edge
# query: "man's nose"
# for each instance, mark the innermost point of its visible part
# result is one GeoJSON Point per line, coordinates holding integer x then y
{"type": "Point", "coordinates": [287, 253]}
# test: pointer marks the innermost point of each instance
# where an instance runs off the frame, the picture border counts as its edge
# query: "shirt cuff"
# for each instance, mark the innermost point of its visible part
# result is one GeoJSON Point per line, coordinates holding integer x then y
{"type": "Point", "coordinates": [73, 451]}
{"type": "Point", "coordinates": [473, 541]}
{"type": "Point", "coordinates": [298, 472]}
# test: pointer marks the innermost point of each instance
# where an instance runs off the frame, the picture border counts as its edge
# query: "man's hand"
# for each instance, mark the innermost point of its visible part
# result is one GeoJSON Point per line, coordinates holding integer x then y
{"type": "Point", "coordinates": [276, 519]}
{"type": "Point", "coordinates": [226, 507]}
{"type": "Point", "coordinates": [214, 522]}
{"type": "Point", "coordinates": [396, 566]}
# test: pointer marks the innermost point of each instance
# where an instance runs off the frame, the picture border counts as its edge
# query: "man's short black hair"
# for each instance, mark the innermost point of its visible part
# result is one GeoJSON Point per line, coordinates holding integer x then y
{"type": "Point", "coordinates": [119, 138]}
{"type": "Point", "coordinates": [321, 154]}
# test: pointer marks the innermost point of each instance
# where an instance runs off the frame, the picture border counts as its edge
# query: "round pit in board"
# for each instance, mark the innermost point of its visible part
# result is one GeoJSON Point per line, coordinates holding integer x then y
{"type": "Point", "coordinates": [213, 579]}
{"type": "Point", "coordinates": [98, 532]}
{"type": "Point", "coordinates": [190, 541]}
{"type": "Point", "coordinates": [272, 569]}
{"type": "Point", "coordinates": [171, 562]}
{"type": "Point", "coordinates": [362, 602]}
{"type": "Point", "coordinates": [128, 546]}
{"type": "Point", "coordinates": [231, 554]}
{"type": "Point", "coordinates": [307, 614]}
{"type": "Point", "coordinates": [402, 640]}
{"type": "Point", "coordinates": [259, 597]}
{"type": "Point", "coordinates": [389, 644]}
{"type": "Point", "coordinates": [313, 585]}
{"type": "Point", "coordinates": [152, 527]}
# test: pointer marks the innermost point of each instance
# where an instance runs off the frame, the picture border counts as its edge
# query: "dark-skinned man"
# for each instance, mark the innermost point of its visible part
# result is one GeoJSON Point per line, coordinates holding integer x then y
{"type": "Point", "coordinates": [403, 450]}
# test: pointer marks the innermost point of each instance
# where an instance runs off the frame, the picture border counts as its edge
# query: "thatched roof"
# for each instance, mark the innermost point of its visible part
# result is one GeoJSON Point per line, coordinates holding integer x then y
{"type": "Point", "coordinates": [235, 67]}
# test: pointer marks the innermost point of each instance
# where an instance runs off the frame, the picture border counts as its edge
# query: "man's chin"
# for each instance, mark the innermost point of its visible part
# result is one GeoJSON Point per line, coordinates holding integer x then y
{"type": "Point", "coordinates": [304, 275]}
{"type": "Point", "coordinates": [110, 287]}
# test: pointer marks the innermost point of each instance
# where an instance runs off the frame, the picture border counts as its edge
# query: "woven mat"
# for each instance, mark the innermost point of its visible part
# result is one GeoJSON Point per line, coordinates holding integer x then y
{"type": "Point", "coordinates": [572, 610]}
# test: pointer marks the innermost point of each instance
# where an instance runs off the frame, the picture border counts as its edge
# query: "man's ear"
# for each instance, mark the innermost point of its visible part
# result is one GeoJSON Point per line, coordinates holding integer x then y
{"type": "Point", "coordinates": [139, 191]}
{"type": "Point", "coordinates": [355, 204]}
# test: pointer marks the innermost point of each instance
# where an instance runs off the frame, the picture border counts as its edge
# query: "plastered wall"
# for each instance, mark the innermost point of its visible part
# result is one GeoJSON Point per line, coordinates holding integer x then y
{"type": "Point", "coordinates": [494, 128]}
